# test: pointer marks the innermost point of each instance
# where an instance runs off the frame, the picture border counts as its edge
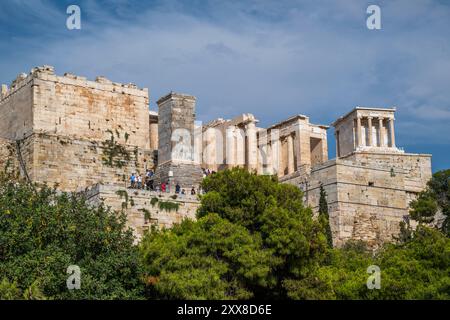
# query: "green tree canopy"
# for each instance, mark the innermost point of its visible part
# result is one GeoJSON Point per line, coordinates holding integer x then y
{"type": "Point", "coordinates": [43, 232]}
{"type": "Point", "coordinates": [211, 258]}
{"type": "Point", "coordinates": [273, 213]}
{"type": "Point", "coordinates": [416, 269]}
{"type": "Point", "coordinates": [435, 197]}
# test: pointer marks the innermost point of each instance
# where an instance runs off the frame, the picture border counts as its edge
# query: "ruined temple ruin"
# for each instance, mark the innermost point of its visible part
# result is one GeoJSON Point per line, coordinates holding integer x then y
{"type": "Point", "coordinates": [90, 136]}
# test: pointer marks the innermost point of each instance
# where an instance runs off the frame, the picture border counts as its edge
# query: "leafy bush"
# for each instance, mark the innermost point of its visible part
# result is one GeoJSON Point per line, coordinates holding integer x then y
{"type": "Point", "coordinates": [42, 232]}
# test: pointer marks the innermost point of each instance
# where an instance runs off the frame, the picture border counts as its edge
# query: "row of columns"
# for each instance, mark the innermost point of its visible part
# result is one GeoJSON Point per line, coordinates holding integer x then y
{"type": "Point", "coordinates": [271, 155]}
{"type": "Point", "coordinates": [243, 150]}
{"type": "Point", "coordinates": [242, 146]}
{"type": "Point", "coordinates": [381, 133]}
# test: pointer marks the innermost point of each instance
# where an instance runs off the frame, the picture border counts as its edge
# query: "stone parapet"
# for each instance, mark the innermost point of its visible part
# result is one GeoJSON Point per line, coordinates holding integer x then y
{"type": "Point", "coordinates": [141, 209]}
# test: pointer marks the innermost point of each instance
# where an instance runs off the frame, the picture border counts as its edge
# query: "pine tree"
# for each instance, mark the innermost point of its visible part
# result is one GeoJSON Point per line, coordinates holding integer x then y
{"type": "Point", "coordinates": [324, 216]}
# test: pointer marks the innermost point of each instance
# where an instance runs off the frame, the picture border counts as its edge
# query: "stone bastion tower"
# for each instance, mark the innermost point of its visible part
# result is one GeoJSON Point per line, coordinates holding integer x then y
{"type": "Point", "coordinates": [74, 132]}
{"type": "Point", "coordinates": [178, 161]}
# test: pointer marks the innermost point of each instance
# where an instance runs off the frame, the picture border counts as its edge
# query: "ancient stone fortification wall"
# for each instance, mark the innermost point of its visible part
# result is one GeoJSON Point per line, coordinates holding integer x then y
{"type": "Point", "coordinates": [16, 117]}
{"type": "Point", "coordinates": [135, 201]}
{"type": "Point", "coordinates": [17, 157]}
{"type": "Point", "coordinates": [7, 155]}
{"type": "Point", "coordinates": [416, 168]}
{"type": "Point", "coordinates": [75, 164]}
{"type": "Point", "coordinates": [72, 164]}
{"type": "Point", "coordinates": [79, 108]}
{"type": "Point", "coordinates": [77, 132]}
{"type": "Point", "coordinates": [368, 194]}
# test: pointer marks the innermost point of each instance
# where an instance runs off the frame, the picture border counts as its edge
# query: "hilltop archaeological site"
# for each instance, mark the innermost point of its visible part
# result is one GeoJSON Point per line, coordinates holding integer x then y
{"type": "Point", "coordinates": [91, 136]}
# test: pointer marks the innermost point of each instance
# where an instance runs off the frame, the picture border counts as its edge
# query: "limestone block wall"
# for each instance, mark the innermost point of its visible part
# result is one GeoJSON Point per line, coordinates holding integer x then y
{"type": "Point", "coordinates": [75, 164]}
{"type": "Point", "coordinates": [176, 136]}
{"type": "Point", "coordinates": [415, 167]}
{"type": "Point", "coordinates": [17, 157]}
{"type": "Point", "coordinates": [141, 199]}
{"type": "Point", "coordinates": [368, 194]}
{"type": "Point", "coordinates": [345, 138]}
{"type": "Point", "coordinates": [63, 125]}
{"type": "Point", "coordinates": [8, 157]}
{"type": "Point", "coordinates": [16, 117]}
{"type": "Point", "coordinates": [176, 116]}
{"type": "Point", "coordinates": [73, 106]}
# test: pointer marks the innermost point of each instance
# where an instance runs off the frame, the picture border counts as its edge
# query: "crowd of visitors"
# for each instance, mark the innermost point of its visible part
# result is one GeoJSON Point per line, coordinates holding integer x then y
{"type": "Point", "coordinates": [136, 182]}
{"type": "Point", "coordinates": [207, 172]}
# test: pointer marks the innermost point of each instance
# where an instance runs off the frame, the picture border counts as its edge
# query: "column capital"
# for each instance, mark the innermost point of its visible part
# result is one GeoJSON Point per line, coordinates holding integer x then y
{"type": "Point", "coordinates": [250, 125]}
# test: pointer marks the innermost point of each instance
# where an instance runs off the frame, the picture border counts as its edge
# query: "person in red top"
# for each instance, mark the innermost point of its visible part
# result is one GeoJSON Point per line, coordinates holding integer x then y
{"type": "Point", "coordinates": [163, 187]}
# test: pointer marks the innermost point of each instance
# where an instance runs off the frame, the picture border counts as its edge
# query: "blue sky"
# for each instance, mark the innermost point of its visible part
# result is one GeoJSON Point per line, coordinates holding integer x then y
{"type": "Point", "coordinates": [270, 58]}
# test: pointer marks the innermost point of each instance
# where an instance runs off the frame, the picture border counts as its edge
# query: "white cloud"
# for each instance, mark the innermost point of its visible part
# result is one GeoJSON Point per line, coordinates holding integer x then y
{"type": "Point", "coordinates": [271, 58]}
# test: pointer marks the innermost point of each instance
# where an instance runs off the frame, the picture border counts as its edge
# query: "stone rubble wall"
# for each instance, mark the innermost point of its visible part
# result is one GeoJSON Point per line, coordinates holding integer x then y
{"type": "Point", "coordinates": [16, 116]}
{"type": "Point", "coordinates": [416, 167]}
{"type": "Point", "coordinates": [185, 174]}
{"type": "Point", "coordinates": [8, 159]}
{"type": "Point", "coordinates": [76, 164]}
{"type": "Point", "coordinates": [141, 199]}
{"type": "Point", "coordinates": [368, 194]}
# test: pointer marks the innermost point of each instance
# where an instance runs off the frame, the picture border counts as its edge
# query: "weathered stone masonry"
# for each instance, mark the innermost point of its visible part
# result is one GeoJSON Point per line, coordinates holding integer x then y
{"type": "Point", "coordinates": [371, 182]}
{"type": "Point", "coordinates": [91, 135]}
{"type": "Point", "coordinates": [62, 124]}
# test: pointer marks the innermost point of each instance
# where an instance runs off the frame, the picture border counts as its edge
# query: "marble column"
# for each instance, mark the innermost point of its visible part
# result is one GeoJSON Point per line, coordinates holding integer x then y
{"type": "Point", "coordinates": [358, 131]}
{"type": "Point", "coordinates": [381, 132]}
{"type": "Point", "coordinates": [209, 150]}
{"type": "Point", "coordinates": [369, 125]}
{"type": "Point", "coordinates": [231, 146]}
{"type": "Point", "coordinates": [290, 154]}
{"type": "Point", "coordinates": [240, 147]}
{"type": "Point", "coordinates": [252, 146]}
{"type": "Point", "coordinates": [392, 132]}
{"type": "Point", "coordinates": [268, 160]}
{"type": "Point", "coordinates": [275, 152]}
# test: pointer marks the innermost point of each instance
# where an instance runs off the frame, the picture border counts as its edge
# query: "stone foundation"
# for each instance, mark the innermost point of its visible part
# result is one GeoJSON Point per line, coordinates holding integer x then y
{"type": "Point", "coordinates": [138, 200]}
{"type": "Point", "coordinates": [186, 175]}
{"type": "Point", "coordinates": [368, 194]}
